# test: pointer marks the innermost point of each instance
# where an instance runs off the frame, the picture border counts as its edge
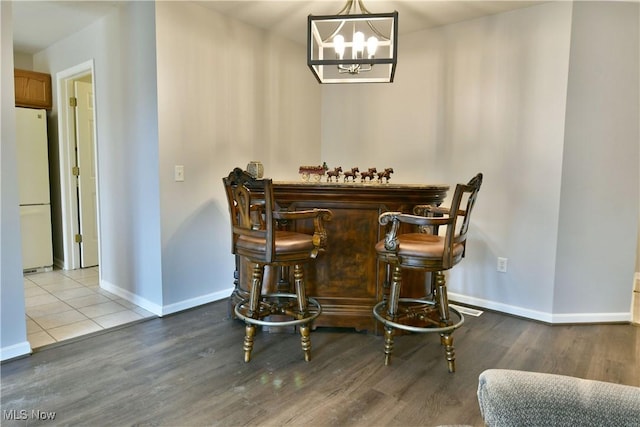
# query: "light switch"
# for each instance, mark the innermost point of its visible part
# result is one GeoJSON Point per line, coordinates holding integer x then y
{"type": "Point", "coordinates": [178, 173]}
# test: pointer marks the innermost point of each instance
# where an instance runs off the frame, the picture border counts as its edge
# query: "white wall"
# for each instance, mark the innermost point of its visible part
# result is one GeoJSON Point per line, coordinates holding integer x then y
{"type": "Point", "coordinates": [228, 93]}
{"type": "Point", "coordinates": [122, 45]}
{"type": "Point", "coordinates": [23, 61]}
{"type": "Point", "coordinates": [486, 95]}
{"type": "Point", "coordinates": [597, 242]}
{"type": "Point", "coordinates": [13, 328]}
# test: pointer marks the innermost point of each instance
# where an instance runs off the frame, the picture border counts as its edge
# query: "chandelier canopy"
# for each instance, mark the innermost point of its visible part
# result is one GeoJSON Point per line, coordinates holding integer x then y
{"type": "Point", "coordinates": [353, 46]}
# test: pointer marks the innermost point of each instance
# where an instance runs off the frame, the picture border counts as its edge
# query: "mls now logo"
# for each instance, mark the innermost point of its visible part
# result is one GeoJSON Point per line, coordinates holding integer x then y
{"type": "Point", "coordinates": [23, 414]}
{"type": "Point", "coordinates": [14, 414]}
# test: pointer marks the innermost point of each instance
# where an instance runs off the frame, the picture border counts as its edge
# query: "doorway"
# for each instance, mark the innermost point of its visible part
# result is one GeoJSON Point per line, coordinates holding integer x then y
{"type": "Point", "coordinates": [78, 167]}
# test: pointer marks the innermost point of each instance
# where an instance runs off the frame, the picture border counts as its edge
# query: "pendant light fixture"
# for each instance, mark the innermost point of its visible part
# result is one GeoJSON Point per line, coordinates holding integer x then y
{"type": "Point", "coordinates": [353, 46]}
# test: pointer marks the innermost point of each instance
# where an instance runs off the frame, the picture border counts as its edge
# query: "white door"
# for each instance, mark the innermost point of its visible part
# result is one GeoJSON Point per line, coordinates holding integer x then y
{"type": "Point", "coordinates": [87, 190]}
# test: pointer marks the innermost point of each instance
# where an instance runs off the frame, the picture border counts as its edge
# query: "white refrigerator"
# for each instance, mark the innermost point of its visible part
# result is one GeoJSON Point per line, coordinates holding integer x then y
{"type": "Point", "coordinates": [33, 183]}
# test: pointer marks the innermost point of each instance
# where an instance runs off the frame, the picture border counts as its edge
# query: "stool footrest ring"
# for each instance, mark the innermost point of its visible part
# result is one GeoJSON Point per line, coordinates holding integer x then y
{"type": "Point", "coordinates": [268, 308]}
{"type": "Point", "coordinates": [380, 313]}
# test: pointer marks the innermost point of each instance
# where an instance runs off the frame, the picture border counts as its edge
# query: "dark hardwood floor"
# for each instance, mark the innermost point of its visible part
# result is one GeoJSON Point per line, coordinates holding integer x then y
{"type": "Point", "coordinates": [188, 369]}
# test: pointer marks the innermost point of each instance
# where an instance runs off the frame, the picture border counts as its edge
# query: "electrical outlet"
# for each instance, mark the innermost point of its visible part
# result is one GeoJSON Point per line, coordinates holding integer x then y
{"type": "Point", "coordinates": [178, 173]}
{"type": "Point", "coordinates": [502, 265]}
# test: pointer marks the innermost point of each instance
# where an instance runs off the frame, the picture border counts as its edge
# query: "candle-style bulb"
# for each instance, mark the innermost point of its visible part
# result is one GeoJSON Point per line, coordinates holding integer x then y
{"type": "Point", "coordinates": [358, 45]}
{"type": "Point", "coordinates": [372, 46]}
{"type": "Point", "coordinates": [338, 44]}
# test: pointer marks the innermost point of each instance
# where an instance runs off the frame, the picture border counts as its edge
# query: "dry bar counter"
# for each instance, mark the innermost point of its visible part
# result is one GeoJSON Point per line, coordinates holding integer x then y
{"type": "Point", "coordinates": [346, 279]}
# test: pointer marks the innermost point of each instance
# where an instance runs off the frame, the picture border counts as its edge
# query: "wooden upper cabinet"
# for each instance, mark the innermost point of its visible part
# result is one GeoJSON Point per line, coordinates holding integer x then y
{"type": "Point", "coordinates": [32, 89]}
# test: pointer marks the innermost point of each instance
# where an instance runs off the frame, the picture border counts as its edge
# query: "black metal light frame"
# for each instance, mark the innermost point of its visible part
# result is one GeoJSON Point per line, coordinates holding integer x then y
{"type": "Point", "coordinates": [316, 46]}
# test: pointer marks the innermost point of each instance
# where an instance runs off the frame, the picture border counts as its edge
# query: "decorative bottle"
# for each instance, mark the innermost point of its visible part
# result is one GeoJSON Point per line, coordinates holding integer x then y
{"type": "Point", "coordinates": [255, 169]}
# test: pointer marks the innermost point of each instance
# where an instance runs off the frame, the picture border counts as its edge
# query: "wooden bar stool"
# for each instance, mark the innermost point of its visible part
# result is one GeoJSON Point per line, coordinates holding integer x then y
{"type": "Point", "coordinates": [427, 251]}
{"type": "Point", "coordinates": [255, 237]}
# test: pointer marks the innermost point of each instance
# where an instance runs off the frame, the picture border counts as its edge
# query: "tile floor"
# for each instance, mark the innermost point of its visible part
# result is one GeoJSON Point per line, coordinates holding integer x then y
{"type": "Point", "coordinates": [65, 304]}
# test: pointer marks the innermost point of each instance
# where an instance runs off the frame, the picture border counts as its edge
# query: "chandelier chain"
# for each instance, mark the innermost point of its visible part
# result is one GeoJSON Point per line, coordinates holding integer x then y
{"type": "Point", "coordinates": [350, 8]}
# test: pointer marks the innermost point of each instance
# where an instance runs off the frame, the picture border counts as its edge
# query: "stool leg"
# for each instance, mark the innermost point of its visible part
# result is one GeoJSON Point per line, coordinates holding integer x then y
{"type": "Point", "coordinates": [305, 341]}
{"type": "Point", "coordinates": [301, 293]}
{"type": "Point", "coordinates": [305, 332]}
{"type": "Point", "coordinates": [254, 310]}
{"type": "Point", "coordinates": [442, 298]}
{"type": "Point", "coordinates": [446, 339]}
{"type": "Point", "coordinates": [250, 332]}
{"type": "Point", "coordinates": [392, 311]}
{"type": "Point", "coordinates": [388, 344]}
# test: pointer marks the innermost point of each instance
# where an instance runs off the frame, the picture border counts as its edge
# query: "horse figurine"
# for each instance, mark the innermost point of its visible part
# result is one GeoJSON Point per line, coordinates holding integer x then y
{"type": "Point", "coordinates": [351, 174]}
{"type": "Point", "coordinates": [386, 174]}
{"type": "Point", "coordinates": [334, 173]}
{"type": "Point", "coordinates": [371, 173]}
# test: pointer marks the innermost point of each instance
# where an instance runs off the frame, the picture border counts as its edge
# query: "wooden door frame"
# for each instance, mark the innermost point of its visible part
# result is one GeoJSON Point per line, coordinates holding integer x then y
{"type": "Point", "coordinates": [66, 147]}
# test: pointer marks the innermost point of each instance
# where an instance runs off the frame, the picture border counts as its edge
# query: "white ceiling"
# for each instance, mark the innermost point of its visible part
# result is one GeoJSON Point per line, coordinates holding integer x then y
{"type": "Point", "coordinates": [39, 24]}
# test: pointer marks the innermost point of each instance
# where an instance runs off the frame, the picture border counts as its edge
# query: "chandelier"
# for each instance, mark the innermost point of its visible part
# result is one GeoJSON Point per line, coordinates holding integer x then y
{"type": "Point", "coordinates": [353, 46]}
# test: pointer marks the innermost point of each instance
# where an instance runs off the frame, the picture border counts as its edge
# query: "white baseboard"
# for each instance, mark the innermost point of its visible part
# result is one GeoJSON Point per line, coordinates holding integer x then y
{"type": "Point", "coordinates": [540, 315]}
{"type": "Point", "coordinates": [163, 310]}
{"type": "Point", "coordinates": [131, 297]}
{"type": "Point", "coordinates": [592, 318]}
{"type": "Point", "coordinates": [195, 302]}
{"type": "Point", "coordinates": [503, 308]}
{"type": "Point", "coordinates": [16, 350]}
